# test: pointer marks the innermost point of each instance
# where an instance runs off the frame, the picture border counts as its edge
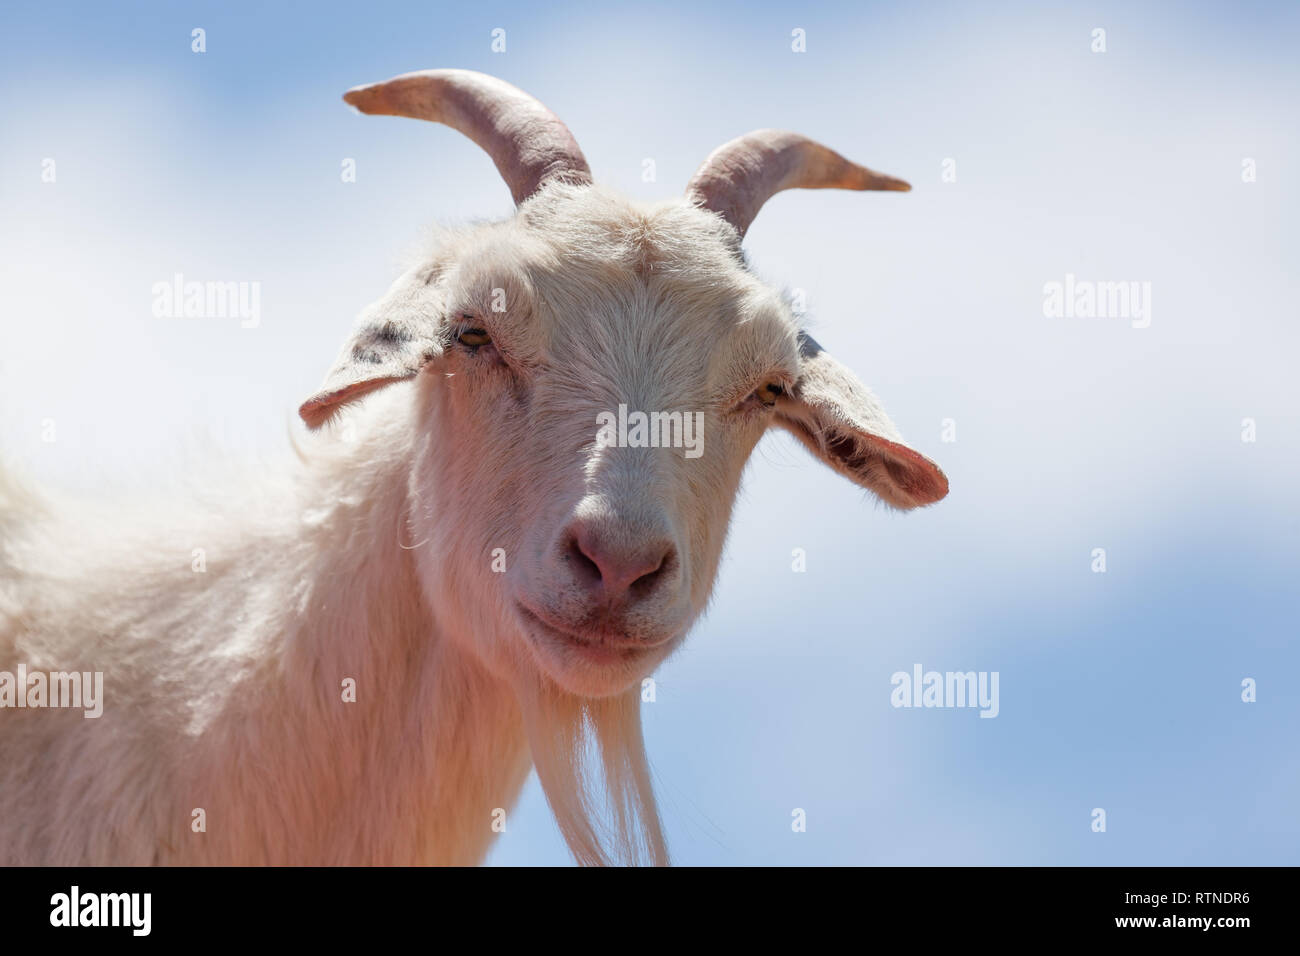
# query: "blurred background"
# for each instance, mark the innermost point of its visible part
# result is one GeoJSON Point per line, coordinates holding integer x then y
{"type": "Point", "coordinates": [1169, 158]}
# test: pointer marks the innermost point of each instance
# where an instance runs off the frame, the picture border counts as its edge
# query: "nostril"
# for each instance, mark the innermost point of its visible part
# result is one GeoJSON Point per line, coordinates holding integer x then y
{"type": "Point", "coordinates": [584, 568]}
{"type": "Point", "coordinates": [648, 581]}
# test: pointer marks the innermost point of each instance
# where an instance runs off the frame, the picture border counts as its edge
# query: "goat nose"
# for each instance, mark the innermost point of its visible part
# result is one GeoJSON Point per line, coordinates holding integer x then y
{"type": "Point", "coordinates": [615, 568]}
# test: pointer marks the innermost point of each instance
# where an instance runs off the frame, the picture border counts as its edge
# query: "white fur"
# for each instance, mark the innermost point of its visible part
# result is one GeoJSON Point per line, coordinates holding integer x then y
{"type": "Point", "coordinates": [373, 560]}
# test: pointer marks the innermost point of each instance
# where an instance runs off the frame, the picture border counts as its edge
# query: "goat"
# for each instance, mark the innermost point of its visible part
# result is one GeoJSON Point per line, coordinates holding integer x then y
{"type": "Point", "coordinates": [385, 641]}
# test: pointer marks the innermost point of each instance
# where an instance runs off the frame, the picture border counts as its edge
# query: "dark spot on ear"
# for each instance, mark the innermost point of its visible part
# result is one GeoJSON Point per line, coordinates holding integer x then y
{"type": "Point", "coordinates": [390, 334]}
{"type": "Point", "coordinates": [364, 354]}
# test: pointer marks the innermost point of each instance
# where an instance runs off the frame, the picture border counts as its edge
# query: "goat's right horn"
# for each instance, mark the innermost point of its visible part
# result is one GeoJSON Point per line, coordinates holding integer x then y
{"type": "Point", "coordinates": [528, 143]}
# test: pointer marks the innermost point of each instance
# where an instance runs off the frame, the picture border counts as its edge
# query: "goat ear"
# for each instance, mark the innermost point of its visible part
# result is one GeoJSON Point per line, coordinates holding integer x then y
{"type": "Point", "coordinates": [844, 425]}
{"type": "Point", "coordinates": [393, 340]}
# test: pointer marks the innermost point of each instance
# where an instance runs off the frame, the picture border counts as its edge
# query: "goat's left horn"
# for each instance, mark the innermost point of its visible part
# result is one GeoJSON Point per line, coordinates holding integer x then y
{"type": "Point", "coordinates": [739, 176]}
{"type": "Point", "coordinates": [528, 143]}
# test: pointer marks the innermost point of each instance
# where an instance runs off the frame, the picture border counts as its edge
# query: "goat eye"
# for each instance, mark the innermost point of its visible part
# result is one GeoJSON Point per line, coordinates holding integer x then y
{"type": "Point", "coordinates": [474, 338]}
{"type": "Point", "coordinates": [769, 393]}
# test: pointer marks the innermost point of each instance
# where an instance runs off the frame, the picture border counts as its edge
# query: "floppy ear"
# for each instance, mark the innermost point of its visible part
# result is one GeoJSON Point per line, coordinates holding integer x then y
{"type": "Point", "coordinates": [393, 339]}
{"type": "Point", "coordinates": [843, 424]}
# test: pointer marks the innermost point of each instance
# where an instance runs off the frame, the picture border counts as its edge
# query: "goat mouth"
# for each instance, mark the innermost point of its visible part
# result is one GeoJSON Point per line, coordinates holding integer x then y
{"type": "Point", "coordinates": [596, 648]}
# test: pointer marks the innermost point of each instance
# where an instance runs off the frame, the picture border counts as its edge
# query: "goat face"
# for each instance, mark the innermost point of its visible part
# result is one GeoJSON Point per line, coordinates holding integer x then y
{"type": "Point", "coordinates": [592, 376]}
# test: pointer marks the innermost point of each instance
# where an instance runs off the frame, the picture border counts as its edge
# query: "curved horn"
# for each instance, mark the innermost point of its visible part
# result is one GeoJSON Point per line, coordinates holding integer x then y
{"type": "Point", "coordinates": [528, 143]}
{"type": "Point", "coordinates": [739, 176]}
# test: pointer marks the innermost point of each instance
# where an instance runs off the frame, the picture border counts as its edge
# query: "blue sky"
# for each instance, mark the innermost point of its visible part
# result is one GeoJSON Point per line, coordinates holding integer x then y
{"type": "Point", "coordinates": [1118, 690]}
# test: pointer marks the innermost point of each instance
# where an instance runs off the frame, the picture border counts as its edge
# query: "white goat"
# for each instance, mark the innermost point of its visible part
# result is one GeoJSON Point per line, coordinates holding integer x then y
{"type": "Point", "coordinates": [494, 579]}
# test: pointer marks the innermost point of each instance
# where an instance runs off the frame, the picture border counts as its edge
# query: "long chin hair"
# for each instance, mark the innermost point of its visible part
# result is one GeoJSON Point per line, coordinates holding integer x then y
{"type": "Point", "coordinates": [578, 744]}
